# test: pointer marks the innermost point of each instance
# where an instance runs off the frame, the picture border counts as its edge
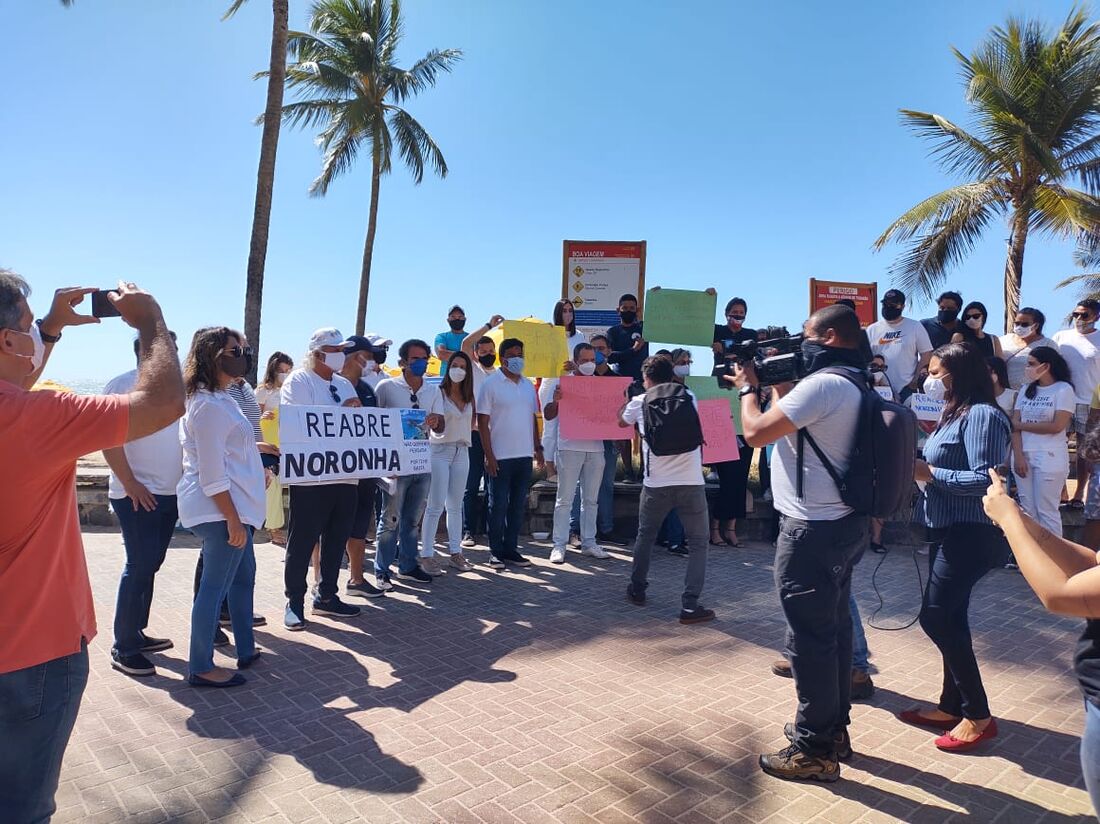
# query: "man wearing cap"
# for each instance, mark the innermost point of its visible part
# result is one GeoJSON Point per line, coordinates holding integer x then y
{"type": "Point", "coordinates": [322, 510]}
{"type": "Point", "coordinates": [902, 342]}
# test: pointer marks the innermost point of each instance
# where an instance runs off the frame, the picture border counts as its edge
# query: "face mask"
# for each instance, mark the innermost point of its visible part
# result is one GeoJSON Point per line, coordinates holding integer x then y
{"type": "Point", "coordinates": [418, 367]}
{"type": "Point", "coordinates": [457, 374]}
{"type": "Point", "coordinates": [681, 370]}
{"type": "Point", "coordinates": [891, 312]}
{"type": "Point", "coordinates": [486, 360]}
{"type": "Point", "coordinates": [280, 379]}
{"type": "Point", "coordinates": [816, 355]}
{"type": "Point", "coordinates": [1031, 373]}
{"type": "Point", "coordinates": [736, 323]}
{"type": "Point", "coordinates": [1084, 326]}
{"type": "Point", "coordinates": [38, 357]}
{"type": "Point", "coordinates": [1022, 331]}
{"type": "Point", "coordinates": [515, 365]}
{"type": "Point", "coordinates": [877, 368]}
{"type": "Point", "coordinates": [379, 355]}
{"type": "Point", "coordinates": [588, 368]}
{"type": "Point", "coordinates": [601, 358]}
{"type": "Point", "coordinates": [974, 323]}
{"type": "Point", "coordinates": [935, 389]}
{"type": "Point", "coordinates": [456, 325]}
{"type": "Point", "coordinates": [334, 360]}
{"type": "Point", "coordinates": [235, 366]}
{"type": "Point", "coordinates": [371, 366]}
{"type": "Point", "coordinates": [628, 317]}
{"type": "Point", "coordinates": [947, 315]}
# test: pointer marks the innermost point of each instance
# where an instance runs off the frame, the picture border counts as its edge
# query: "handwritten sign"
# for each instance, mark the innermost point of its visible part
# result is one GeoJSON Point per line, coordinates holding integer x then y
{"type": "Point", "coordinates": [925, 408]}
{"type": "Point", "coordinates": [544, 347]}
{"type": "Point", "coordinates": [719, 438]}
{"type": "Point", "coordinates": [680, 316]}
{"type": "Point", "coordinates": [707, 388]}
{"type": "Point", "coordinates": [589, 408]}
{"type": "Point", "coordinates": [338, 443]}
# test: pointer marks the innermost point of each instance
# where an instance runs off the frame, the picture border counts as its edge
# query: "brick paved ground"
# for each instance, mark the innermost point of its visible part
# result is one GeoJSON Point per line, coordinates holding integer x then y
{"type": "Point", "coordinates": [544, 696]}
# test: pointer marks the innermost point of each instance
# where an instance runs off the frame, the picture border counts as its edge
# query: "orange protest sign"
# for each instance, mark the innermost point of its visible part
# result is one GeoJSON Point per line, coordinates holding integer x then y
{"type": "Point", "coordinates": [864, 295]}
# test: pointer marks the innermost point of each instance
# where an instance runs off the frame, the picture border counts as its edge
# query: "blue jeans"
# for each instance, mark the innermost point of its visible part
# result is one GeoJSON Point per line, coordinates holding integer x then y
{"type": "Point", "coordinates": [1090, 753]}
{"type": "Point", "coordinates": [860, 652]}
{"type": "Point", "coordinates": [146, 536]}
{"type": "Point", "coordinates": [38, 707]}
{"type": "Point", "coordinates": [508, 496]}
{"type": "Point", "coordinates": [397, 525]}
{"type": "Point", "coordinates": [672, 530]}
{"type": "Point", "coordinates": [227, 571]}
{"type": "Point", "coordinates": [605, 516]}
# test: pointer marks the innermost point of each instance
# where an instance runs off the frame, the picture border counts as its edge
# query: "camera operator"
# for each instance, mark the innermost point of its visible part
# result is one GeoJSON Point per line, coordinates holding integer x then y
{"type": "Point", "coordinates": [820, 537]}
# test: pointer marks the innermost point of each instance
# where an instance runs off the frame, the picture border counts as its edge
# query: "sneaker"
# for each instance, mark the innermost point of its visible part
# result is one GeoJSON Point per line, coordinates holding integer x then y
{"type": "Point", "coordinates": [596, 551]}
{"type": "Point", "coordinates": [842, 742]}
{"type": "Point", "coordinates": [335, 607]}
{"type": "Point", "coordinates": [574, 539]}
{"type": "Point", "coordinates": [878, 549]}
{"type": "Point", "coordinates": [415, 574]}
{"type": "Point", "coordinates": [791, 764]}
{"type": "Point", "coordinates": [557, 555]}
{"type": "Point", "coordinates": [495, 562]}
{"type": "Point", "coordinates": [636, 598]}
{"type": "Point", "coordinates": [223, 618]}
{"type": "Point", "coordinates": [468, 541]}
{"type": "Point", "coordinates": [432, 567]}
{"type": "Point", "coordinates": [292, 618]}
{"type": "Point", "coordinates": [149, 644]}
{"type": "Point", "coordinates": [862, 686]}
{"type": "Point", "coordinates": [364, 590]}
{"type": "Point", "coordinates": [698, 615]}
{"type": "Point", "coordinates": [258, 620]}
{"type": "Point", "coordinates": [382, 581]}
{"type": "Point", "coordinates": [678, 549]}
{"type": "Point", "coordinates": [782, 668]}
{"type": "Point", "coordinates": [611, 538]}
{"type": "Point", "coordinates": [137, 665]}
{"type": "Point", "coordinates": [220, 638]}
{"type": "Point", "coordinates": [516, 559]}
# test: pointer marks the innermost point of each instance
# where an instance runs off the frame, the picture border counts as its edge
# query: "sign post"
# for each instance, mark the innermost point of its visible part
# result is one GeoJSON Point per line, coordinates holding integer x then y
{"type": "Point", "coordinates": [595, 274]}
{"type": "Point", "coordinates": [865, 296]}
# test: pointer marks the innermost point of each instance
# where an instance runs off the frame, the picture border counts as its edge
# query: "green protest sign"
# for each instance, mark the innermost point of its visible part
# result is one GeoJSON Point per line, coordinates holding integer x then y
{"type": "Point", "coordinates": [680, 316]}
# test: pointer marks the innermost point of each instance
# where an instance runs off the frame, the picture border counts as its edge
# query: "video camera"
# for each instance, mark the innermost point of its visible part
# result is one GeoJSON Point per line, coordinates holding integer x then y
{"type": "Point", "coordinates": [778, 360]}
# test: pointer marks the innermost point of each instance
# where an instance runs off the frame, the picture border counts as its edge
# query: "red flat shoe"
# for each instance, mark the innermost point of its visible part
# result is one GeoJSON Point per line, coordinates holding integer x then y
{"type": "Point", "coordinates": [914, 718]}
{"type": "Point", "coordinates": [949, 743]}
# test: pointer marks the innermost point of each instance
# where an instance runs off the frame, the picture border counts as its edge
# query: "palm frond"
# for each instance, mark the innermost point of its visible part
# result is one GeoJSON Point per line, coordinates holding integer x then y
{"type": "Point", "coordinates": [957, 150]}
{"type": "Point", "coordinates": [1064, 212]}
{"type": "Point", "coordinates": [423, 73]}
{"type": "Point", "coordinates": [415, 144]}
{"type": "Point", "coordinates": [934, 210]}
{"type": "Point", "coordinates": [233, 9]}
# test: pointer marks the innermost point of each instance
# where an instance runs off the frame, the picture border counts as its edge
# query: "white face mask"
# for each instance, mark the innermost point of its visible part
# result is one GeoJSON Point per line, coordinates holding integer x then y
{"type": "Point", "coordinates": [974, 323]}
{"type": "Point", "coordinates": [682, 370]}
{"type": "Point", "coordinates": [588, 368]}
{"type": "Point", "coordinates": [1084, 326]}
{"type": "Point", "coordinates": [457, 374]}
{"type": "Point", "coordinates": [1022, 331]}
{"type": "Point", "coordinates": [334, 360]}
{"type": "Point", "coordinates": [1031, 373]}
{"type": "Point", "coordinates": [935, 389]}
{"type": "Point", "coordinates": [38, 357]}
{"type": "Point", "coordinates": [280, 378]}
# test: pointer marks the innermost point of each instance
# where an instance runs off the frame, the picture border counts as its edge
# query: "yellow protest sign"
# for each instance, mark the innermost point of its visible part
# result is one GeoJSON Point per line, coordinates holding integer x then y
{"type": "Point", "coordinates": [544, 348]}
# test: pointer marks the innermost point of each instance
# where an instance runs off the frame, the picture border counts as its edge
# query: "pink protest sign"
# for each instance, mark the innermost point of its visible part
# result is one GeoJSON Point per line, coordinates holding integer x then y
{"type": "Point", "coordinates": [719, 437]}
{"type": "Point", "coordinates": [589, 408]}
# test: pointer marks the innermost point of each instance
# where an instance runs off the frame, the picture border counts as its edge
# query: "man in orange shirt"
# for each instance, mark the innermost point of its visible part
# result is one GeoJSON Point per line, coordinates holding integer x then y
{"type": "Point", "coordinates": [46, 613]}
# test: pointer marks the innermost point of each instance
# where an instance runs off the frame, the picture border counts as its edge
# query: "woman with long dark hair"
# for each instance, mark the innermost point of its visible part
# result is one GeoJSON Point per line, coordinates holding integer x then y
{"type": "Point", "coordinates": [972, 437]}
{"type": "Point", "coordinates": [972, 330]}
{"type": "Point", "coordinates": [450, 464]}
{"type": "Point", "coordinates": [221, 499]}
{"type": "Point", "coordinates": [1044, 408]}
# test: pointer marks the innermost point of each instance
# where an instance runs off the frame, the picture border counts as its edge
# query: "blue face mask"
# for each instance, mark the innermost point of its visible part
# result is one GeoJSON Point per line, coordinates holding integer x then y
{"type": "Point", "coordinates": [418, 367]}
{"type": "Point", "coordinates": [601, 359]}
{"type": "Point", "coordinates": [515, 365]}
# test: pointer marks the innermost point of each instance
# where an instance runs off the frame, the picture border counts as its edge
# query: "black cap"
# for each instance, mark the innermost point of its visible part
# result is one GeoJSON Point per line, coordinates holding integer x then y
{"type": "Point", "coordinates": [358, 344]}
{"type": "Point", "coordinates": [894, 296]}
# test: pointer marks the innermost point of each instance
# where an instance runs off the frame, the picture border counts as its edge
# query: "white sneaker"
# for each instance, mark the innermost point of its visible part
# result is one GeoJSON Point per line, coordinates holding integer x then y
{"type": "Point", "coordinates": [557, 555]}
{"type": "Point", "coordinates": [596, 551]}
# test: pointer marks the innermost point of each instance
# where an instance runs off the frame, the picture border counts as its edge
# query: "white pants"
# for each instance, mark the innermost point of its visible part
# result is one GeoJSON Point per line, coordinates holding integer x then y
{"type": "Point", "coordinates": [450, 467]}
{"type": "Point", "coordinates": [1041, 490]}
{"type": "Point", "coordinates": [586, 467]}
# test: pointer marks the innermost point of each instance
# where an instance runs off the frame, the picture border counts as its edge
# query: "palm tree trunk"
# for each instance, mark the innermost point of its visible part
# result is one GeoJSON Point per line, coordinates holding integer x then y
{"type": "Point", "coordinates": [265, 180]}
{"type": "Point", "coordinates": [1014, 266]}
{"type": "Point", "coordinates": [368, 247]}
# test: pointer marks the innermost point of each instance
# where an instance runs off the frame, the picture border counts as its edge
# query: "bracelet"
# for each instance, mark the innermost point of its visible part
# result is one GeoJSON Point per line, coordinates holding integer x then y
{"type": "Point", "coordinates": [46, 337]}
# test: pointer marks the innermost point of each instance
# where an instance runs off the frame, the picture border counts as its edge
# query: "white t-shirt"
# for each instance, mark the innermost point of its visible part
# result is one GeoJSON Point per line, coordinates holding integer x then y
{"type": "Point", "coordinates": [827, 406]}
{"type": "Point", "coordinates": [1082, 353]}
{"type": "Point", "coordinates": [901, 342]}
{"type": "Point", "coordinates": [457, 422]}
{"type": "Point", "coordinates": [304, 387]}
{"type": "Point", "coordinates": [1015, 353]}
{"type": "Point", "coordinates": [511, 407]}
{"type": "Point", "coordinates": [665, 470]}
{"type": "Point", "coordinates": [268, 399]}
{"type": "Point", "coordinates": [571, 341]}
{"type": "Point", "coordinates": [1058, 397]}
{"type": "Point", "coordinates": [1007, 401]}
{"type": "Point", "coordinates": [157, 459]}
{"type": "Point", "coordinates": [546, 396]}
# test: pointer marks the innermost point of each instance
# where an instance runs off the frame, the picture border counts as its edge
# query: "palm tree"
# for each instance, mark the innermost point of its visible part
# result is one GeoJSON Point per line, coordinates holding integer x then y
{"type": "Point", "coordinates": [349, 84]}
{"type": "Point", "coordinates": [265, 176]}
{"type": "Point", "coordinates": [1035, 97]}
{"type": "Point", "coordinates": [1087, 257]}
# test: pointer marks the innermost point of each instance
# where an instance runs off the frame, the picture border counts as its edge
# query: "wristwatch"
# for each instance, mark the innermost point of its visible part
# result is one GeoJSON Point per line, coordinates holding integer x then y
{"type": "Point", "coordinates": [46, 338]}
{"type": "Point", "coordinates": [747, 390]}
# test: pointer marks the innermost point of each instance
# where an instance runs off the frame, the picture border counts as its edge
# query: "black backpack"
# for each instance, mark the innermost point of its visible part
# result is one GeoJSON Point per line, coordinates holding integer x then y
{"type": "Point", "coordinates": [670, 420]}
{"type": "Point", "coordinates": [879, 479]}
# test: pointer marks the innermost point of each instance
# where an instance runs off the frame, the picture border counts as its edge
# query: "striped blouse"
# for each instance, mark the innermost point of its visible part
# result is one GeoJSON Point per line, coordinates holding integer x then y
{"type": "Point", "coordinates": [961, 454]}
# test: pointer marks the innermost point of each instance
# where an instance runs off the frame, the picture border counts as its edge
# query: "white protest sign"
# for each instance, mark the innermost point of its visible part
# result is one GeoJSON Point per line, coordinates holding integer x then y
{"type": "Point", "coordinates": [886, 392]}
{"type": "Point", "coordinates": [926, 408]}
{"type": "Point", "coordinates": [338, 443]}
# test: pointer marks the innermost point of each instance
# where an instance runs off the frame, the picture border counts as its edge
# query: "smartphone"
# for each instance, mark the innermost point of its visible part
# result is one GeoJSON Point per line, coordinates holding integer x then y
{"type": "Point", "coordinates": [270, 462]}
{"type": "Point", "coordinates": [1003, 471]}
{"type": "Point", "coordinates": [101, 306]}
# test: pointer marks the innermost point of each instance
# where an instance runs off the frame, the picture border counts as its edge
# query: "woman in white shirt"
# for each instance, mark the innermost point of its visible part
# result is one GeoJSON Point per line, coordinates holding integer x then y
{"type": "Point", "coordinates": [1006, 395]}
{"type": "Point", "coordinates": [450, 451]}
{"type": "Point", "coordinates": [268, 394]}
{"type": "Point", "coordinates": [1041, 458]}
{"type": "Point", "coordinates": [221, 500]}
{"type": "Point", "coordinates": [563, 316]}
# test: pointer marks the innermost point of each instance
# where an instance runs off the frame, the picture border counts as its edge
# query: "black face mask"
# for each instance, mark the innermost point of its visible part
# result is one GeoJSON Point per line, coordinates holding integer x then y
{"type": "Point", "coordinates": [235, 367]}
{"type": "Point", "coordinates": [891, 312]}
{"type": "Point", "coordinates": [486, 360]}
{"type": "Point", "coordinates": [816, 355]}
{"type": "Point", "coordinates": [628, 317]}
{"type": "Point", "coordinates": [947, 315]}
{"type": "Point", "coordinates": [456, 325]}
{"type": "Point", "coordinates": [380, 355]}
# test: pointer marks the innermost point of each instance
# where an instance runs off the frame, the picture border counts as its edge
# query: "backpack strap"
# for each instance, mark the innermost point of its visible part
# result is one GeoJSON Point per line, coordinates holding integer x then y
{"type": "Point", "coordinates": [860, 382]}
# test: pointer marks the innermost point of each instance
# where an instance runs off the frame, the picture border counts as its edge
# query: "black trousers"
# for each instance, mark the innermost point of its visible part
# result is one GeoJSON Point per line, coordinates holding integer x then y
{"type": "Point", "coordinates": [324, 512]}
{"type": "Point", "coordinates": [733, 482]}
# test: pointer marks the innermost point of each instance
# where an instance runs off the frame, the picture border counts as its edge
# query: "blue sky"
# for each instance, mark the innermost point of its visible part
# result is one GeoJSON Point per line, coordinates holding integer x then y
{"type": "Point", "coordinates": [752, 145]}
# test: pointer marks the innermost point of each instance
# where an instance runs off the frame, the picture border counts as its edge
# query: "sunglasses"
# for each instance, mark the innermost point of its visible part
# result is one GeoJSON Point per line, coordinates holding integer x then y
{"type": "Point", "coordinates": [414, 400]}
{"type": "Point", "coordinates": [332, 391]}
{"type": "Point", "coordinates": [735, 317]}
{"type": "Point", "coordinates": [238, 351]}
{"type": "Point", "coordinates": [1080, 315]}
{"type": "Point", "coordinates": [973, 317]}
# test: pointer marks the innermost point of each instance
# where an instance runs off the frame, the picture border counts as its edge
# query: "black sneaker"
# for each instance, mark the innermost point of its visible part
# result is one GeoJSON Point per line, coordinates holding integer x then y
{"type": "Point", "coordinates": [842, 742]}
{"type": "Point", "coordinates": [791, 764]}
{"type": "Point", "coordinates": [862, 686]}
{"type": "Point", "coordinates": [137, 665]}
{"type": "Point", "coordinates": [516, 559]}
{"type": "Point", "coordinates": [678, 549]}
{"type": "Point", "coordinates": [335, 607]}
{"type": "Point", "coordinates": [149, 644]}
{"type": "Point", "coordinates": [258, 620]}
{"type": "Point", "coordinates": [382, 581]}
{"type": "Point", "coordinates": [220, 638]}
{"type": "Point", "coordinates": [365, 590]}
{"type": "Point", "coordinates": [636, 598]}
{"type": "Point", "coordinates": [415, 574]}
{"type": "Point", "coordinates": [610, 538]}
{"type": "Point", "coordinates": [878, 549]}
{"type": "Point", "coordinates": [698, 615]}
{"type": "Point", "coordinates": [495, 562]}
{"type": "Point", "coordinates": [293, 617]}
{"type": "Point", "coordinates": [224, 619]}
